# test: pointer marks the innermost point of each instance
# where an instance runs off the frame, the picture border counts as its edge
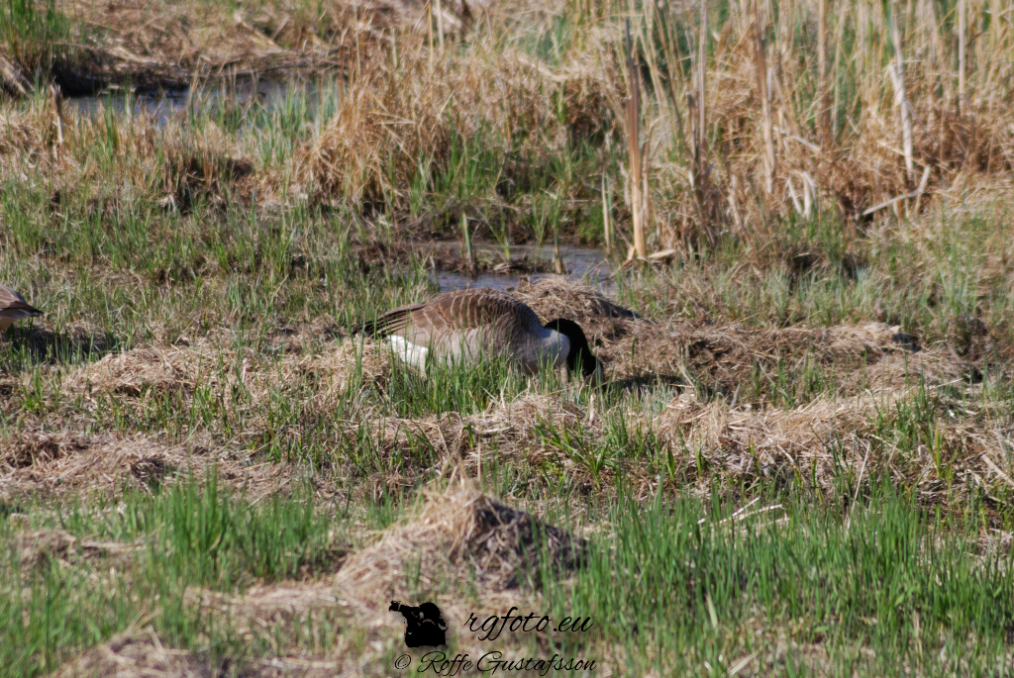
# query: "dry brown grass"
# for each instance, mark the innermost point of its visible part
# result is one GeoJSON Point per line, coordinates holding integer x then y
{"type": "Point", "coordinates": [357, 360]}
{"type": "Point", "coordinates": [460, 531]}
{"type": "Point", "coordinates": [965, 146]}
{"type": "Point", "coordinates": [401, 118]}
{"type": "Point", "coordinates": [34, 548]}
{"type": "Point", "coordinates": [137, 653]}
{"type": "Point", "coordinates": [168, 44]}
{"type": "Point", "coordinates": [408, 104]}
{"type": "Point", "coordinates": [41, 465]}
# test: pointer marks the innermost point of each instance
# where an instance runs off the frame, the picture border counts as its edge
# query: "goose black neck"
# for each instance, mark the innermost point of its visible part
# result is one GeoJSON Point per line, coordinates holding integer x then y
{"type": "Point", "coordinates": [579, 356]}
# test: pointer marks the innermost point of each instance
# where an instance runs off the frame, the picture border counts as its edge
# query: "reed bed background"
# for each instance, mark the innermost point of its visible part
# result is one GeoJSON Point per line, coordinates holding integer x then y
{"type": "Point", "coordinates": [746, 114]}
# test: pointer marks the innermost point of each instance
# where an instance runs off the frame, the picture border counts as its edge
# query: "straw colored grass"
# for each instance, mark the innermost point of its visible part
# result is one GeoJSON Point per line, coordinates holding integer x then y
{"type": "Point", "coordinates": [41, 466]}
{"type": "Point", "coordinates": [137, 652]}
{"type": "Point", "coordinates": [501, 107]}
{"type": "Point", "coordinates": [403, 123]}
{"type": "Point", "coordinates": [833, 316]}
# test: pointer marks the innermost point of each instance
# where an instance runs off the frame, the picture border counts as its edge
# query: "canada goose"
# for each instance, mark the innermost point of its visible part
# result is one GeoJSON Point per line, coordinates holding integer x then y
{"type": "Point", "coordinates": [468, 325]}
{"type": "Point", "coordinates": [13, 307]}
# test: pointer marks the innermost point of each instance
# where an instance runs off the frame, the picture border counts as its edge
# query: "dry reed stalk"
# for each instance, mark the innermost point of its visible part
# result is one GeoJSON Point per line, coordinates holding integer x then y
{"type": "Point", "coordinates": [761, 67]}
{"type": "Point", "coordinates": [962, 33]}
{"type": "Point", "coordinates": [823, 113]}
{"type": "Point", "coordinates": [633, 115]}
{"type": "Point", "coordinates": [900, 96]}
{"type": "Point", "coordinates": [58, 110]}
{"type": "Point", "coordinates": [559, 267]}
{"type": "Point", "coordinates": [733, 205]}
{"type": "Point", "coordinates": [440, 25]}
{"type": "Point", "coordinates": [429, 29]}
{"type": "Point", "coordinates": [606, 222]}
{"type": "Point", "coordinates": [467, 241]}
{"type": "Point", "coordinates": [702, 194]}
{"type": "Point", "coordinates": [702, 61]}
{"type": "Point", "coordinates": [837, 72]}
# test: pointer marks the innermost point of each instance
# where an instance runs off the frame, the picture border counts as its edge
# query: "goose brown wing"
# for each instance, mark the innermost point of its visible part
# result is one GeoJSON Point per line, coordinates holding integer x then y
{"type": "Point", "coordinates": [13, 305]}
{"type": "Point", "coordinates": [392, 322]}
{"type": "Point", "coordinates": [448, 318]}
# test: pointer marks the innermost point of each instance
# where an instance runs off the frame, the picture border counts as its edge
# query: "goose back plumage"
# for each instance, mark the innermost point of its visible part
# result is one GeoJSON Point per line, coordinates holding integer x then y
{"type": "Point", "coordinates": [467, 325]}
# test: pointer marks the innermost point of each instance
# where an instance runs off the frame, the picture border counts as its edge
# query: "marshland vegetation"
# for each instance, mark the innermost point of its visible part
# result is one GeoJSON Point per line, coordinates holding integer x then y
{"type": "Point", "coordinates": [800, 463]}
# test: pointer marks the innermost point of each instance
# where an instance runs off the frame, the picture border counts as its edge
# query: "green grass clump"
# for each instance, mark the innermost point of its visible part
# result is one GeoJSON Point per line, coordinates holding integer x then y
{"type": "Point", "coordinates": [35, 33]}
{"type": "Point", "coordinates": [181, 539]}
{"type": "Point", "coordinates": [912, 587]}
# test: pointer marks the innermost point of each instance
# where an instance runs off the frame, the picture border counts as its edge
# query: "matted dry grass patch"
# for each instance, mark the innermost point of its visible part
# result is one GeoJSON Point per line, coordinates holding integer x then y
{"type": "Point", "coordinates": [138, 371]}
{"type": "Point", "coordinates": [137, 653]}
{"type": "Point", "coordinates": [39, 465]}
{"type": "Point", "coordinates": [34, 548]}
{"type": "Point", "coordinates": [356, 360]}
{"type": "Point", "coordinates": [141, 373]}
{"type": "Point", "coordinates": [816, 442]}
{"type": "Point", "coordinates": [465, 533]}
{"type": "Point", "coordinates": [726, 357]}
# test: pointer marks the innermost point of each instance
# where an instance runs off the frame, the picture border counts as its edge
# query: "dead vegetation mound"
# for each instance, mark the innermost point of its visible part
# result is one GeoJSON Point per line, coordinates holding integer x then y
{"type": "Point", "coordinates": [240, 378]}
{"type": "Point", "coordinates": [35, 447]}
{"type": "Point", "coordinates": [32, 549]}
{"type": "Point", "coordinates": [605, 322]}
{"type": "Point", "coordinates": [137, 372]}
{"type": "Point", "coordinates": [886, 433]}
{"type": "Point", "coordinates": [562, 296]}
{"type": "Point", "coordinates": [243, 378]}
{"type": "Point", "coordinates": [105, 465]}
{"type": "Point", "coordinates": [734, 359]}
{"type": "Point", "coordinates": [466, 535]}
{"type": "Point", "coordinates": [138, 652]}
{"type": "Point", "coordinates": [742, 441]}
{"type": "Point", "coordinates": [358, 360]}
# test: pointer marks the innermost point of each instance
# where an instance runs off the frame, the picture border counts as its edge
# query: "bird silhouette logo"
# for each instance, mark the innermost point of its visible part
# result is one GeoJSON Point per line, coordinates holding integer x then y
{"type": "Point", "coordinates": [425, 625]}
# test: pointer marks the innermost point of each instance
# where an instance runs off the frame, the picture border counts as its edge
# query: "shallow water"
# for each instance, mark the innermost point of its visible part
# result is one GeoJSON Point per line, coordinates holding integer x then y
{"type": "Point", "coordinates": [163, 105]}
{"type": "Point", "coordinates": [587, 264]}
